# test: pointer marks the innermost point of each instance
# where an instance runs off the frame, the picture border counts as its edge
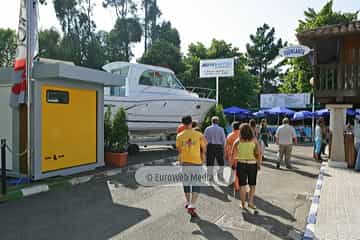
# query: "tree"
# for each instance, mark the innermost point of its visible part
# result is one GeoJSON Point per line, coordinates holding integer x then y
{"type": "Point", "coordinates": [296, 79]}
{"type": "Point", "coordinates": [127, 29]}
{"type": "Point", "coordinates": [261, 53]}
{"type": "Point", "coordinates": [151, 14]}
{"type": "Point", "coordinates": [166, 32]}
{"type": "Point", "coordinates": [7, 47]}
{"type": "Point", "coordinates": [80, 43]}
{"type": "Point", "coordinates": [125, 32]}
{"type": "Point", "coordinates": [326, 16]}
{"type": "Point", "coordinates": [163, 53]}
{"type": "Point", "coordinates": [165, 49]}
{"type": "Point", "coordinates": [49, 43]}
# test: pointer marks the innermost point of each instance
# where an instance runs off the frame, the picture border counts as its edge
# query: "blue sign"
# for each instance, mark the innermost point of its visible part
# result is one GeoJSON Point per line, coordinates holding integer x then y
{"type": "Point", "coordinates": [294, 51]}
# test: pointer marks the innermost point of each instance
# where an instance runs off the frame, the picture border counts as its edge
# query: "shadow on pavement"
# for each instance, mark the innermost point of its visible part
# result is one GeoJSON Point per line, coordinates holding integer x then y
{"type": "Point", "coordinates": [270, 224]}
{"type": "Point", "coordinates": [273, 209]}
{"type": "Point", "coordinates": [211, 231]}
{"type": "Point", "coordinates": [295, 170]}
{"type": "Point", "coordinates": [86, 211]}
{"type": "Point", "coordinates": [212, 192]}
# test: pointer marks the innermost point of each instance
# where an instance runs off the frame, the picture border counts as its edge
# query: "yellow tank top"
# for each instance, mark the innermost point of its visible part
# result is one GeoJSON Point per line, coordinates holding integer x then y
{"type": "Point", "coordinates": [246, 152]}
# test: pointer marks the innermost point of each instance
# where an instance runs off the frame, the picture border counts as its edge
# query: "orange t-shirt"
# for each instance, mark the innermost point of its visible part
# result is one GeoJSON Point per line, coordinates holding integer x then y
{"type": "Point", "coordinates": [230, 140]}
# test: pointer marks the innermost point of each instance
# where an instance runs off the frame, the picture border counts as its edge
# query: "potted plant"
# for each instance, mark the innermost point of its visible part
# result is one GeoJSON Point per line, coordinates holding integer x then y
{"type": "Point", "coordinates": [115, 138]}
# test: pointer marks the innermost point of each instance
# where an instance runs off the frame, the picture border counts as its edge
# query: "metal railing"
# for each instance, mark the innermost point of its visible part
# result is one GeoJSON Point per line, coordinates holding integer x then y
{"type": "Point", "coordinates": [203, 92]}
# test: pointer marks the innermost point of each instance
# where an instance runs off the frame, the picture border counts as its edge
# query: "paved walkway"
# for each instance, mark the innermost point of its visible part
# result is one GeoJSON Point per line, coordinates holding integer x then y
{"type": "Point", "coordinates": [118, 208]}
{"type": "Point", "coordinates": [339, 210]}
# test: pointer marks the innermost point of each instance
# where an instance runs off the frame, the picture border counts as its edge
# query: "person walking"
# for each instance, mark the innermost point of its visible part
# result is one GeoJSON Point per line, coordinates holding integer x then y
{"type": "Point", "coordinates": [230, 140]}
{"type": "Point", "coordinates": [357, 141]}
{"type": "Point", "coordinates": [190, 144]}
{"type": "Point", "coordinates": [246, 151]}
{"type": "Point", "coordinates": [263, 137]}
{"type": "Point", "coordinates": [285, 137]}
{"type": "Point", "coordinates": [252, 123]}
{"type": "Point", "coordinates": [318, 140]}
{"type": "Point", "coordinates": [215, 136]}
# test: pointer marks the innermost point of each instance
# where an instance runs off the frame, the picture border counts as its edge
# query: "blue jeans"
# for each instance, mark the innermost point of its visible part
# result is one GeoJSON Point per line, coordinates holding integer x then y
{"type": "Point", "coordinates": [357, 164]}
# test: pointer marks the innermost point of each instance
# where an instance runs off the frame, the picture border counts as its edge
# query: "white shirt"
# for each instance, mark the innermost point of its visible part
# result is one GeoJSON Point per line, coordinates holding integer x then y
{"type": "Point", "coordinates": [285, 133]}
{"type": "Point", "coordinates": [318, 133]}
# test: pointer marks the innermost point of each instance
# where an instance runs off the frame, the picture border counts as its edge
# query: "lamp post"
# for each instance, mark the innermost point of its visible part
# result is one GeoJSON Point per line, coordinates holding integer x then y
{"type": "Point", "coordinates": [311, 81]}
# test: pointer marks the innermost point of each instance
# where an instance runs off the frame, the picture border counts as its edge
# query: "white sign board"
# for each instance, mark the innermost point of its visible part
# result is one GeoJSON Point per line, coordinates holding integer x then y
{"type": "Point", "coordinates": [294, 51]}
{"type": "Point", "coordinates": [300, 100]}
{"type": "Point", "coordinates": [217, 68]}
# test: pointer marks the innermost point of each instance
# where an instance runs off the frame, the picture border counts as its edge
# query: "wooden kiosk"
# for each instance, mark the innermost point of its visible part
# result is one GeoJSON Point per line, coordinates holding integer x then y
{"type": "Point", "coordinates": [336, 65]}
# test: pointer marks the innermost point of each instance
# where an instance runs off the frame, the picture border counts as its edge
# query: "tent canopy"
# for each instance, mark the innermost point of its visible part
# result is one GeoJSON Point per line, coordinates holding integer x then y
{"type": "Point", "coordinates": [280, 111]}
{"type": "Point", "coordinates": [301, 115]}
{"type": "Point", "coordinates": [231, 111]}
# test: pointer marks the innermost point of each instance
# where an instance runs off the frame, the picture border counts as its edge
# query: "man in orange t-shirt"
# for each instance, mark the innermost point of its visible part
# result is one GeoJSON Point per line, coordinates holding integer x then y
{"type": "Point", "coordinates": [180, 128]}
{"type": "Point", "coordinates": [230, 140]}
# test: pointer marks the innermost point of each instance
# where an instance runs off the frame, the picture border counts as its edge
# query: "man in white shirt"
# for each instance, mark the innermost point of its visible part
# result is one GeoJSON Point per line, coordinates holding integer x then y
{"type": "Point", "coordinates": [357, 141]}
{"type": "Point", "coordinates": [285, 137]}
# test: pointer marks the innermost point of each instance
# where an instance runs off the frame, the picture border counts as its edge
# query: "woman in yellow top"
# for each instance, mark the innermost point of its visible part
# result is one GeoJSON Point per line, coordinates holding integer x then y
{"type": "Point", "coordinates": [246, 152]}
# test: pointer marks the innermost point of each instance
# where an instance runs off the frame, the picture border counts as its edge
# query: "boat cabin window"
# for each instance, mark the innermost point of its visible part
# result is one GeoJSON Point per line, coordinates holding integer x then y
{"type": "Point", "coordinates": [160, 79]}
{"type": "Point", "coordinates": [118, 91]}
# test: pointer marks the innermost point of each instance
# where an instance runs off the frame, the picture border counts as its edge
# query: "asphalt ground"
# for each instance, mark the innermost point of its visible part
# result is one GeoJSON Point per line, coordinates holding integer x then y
{"type": "Point", "coordinates": [118, 208]}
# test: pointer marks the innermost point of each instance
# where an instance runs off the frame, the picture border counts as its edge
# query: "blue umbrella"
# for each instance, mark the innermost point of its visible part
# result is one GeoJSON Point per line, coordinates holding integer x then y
{"type": "Point", "coordinates": [236, 111]}
{"type": "Point", "coordinates": [322, 113]}
{"type": "Point", "coordinates": [280, 111]}
{"type": "Point", "coordinates": [259, 114]}
{"type": "Point", "coordinates": [351, 112]}
{"type": "Point", "coordinates": [302, 115]}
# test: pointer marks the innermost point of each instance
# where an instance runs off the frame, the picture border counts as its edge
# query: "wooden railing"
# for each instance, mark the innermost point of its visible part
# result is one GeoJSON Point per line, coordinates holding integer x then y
{"type": "Point", "coordinates": [334, 80]}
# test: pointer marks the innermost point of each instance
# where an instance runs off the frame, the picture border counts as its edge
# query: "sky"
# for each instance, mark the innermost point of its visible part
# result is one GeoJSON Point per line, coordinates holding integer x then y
{"type": "Point", "coordinates": [201, 20]}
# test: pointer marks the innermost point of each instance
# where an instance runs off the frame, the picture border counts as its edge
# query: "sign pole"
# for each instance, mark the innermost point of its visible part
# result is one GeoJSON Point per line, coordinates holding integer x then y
{"type": "Point", "coordinates": [217, 90]}
{"type": "Point", "coordinates": [313, 118]}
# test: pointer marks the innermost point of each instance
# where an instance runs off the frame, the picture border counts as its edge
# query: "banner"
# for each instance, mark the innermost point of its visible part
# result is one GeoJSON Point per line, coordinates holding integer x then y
{"type": "Point", "coordinates": [299, 100]}
{"type": "Point", "coordinates": [18, 90]}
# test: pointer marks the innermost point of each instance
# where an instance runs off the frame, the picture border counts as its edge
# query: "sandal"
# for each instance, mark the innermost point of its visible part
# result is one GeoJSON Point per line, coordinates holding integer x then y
{"type": "Point", "coordinates": [252, 206]}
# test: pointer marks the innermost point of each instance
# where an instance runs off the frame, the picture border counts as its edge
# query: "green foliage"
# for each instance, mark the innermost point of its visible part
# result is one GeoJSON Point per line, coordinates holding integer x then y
{"type": "Point", "coordinates": [214, 111]}
{"type": "Point", "coordinates": [49, 43]}
{"type": "Point", "coordinates": [108, 130]}
{"type": "Point", "coordinates": [125, 32]}
{"type": "Point", "coordinates": [7, 47]}
{"type": "Point", "coordinates": [163, 53]}
{"type": "Point", "coordinates": [261, 52]}
{"type": "Point", "coordinates": [297, 77]}
{"type": "Point", "coordinates": [120, 131]}
{"type": "Point", "coordinates": [326, 16]}
{"type": "Point", "coordinates": [115, 131]}
{"type": "Point", "coordinates": [165, 48]}
{"type": "Point", "coordinates": [151, 15]}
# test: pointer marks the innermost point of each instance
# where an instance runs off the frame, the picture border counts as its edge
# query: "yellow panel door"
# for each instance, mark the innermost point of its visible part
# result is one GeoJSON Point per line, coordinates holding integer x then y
{"type": "Point", "coordinates": [69, 128]}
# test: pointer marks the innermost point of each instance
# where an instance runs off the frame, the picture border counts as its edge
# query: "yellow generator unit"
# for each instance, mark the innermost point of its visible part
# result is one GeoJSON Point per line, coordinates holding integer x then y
{"type": "Point", "coordinates": [67, 119]}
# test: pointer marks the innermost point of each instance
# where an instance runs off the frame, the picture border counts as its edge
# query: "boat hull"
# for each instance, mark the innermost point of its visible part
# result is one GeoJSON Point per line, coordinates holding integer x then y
{"type": "Point", "coordinates": [153, 115]}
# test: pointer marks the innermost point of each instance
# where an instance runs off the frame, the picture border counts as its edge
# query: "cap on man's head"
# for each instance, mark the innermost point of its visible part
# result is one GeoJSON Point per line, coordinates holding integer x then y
{"type": "Point", "coordinates": [215, 119]}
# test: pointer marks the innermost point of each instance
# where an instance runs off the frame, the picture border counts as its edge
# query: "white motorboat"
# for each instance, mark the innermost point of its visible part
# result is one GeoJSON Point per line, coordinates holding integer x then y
{"type": "Point", "coordinates": [154, 99]}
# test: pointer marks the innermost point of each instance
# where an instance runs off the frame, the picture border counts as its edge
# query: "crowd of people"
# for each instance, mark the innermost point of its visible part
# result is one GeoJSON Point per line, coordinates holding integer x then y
{"type": "Point", "coordinates": [243, 150]}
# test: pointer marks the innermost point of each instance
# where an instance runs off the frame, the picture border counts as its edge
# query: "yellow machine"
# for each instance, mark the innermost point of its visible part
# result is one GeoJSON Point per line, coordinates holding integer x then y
{"type": "Point", "coordinates": [69, 127]}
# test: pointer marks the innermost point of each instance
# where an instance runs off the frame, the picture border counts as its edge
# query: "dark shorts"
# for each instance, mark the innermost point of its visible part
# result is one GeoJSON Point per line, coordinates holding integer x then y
{"type": "Point", "coordinates": [247, 173]}
{"type": "Point", "coordinates": [189, 189]}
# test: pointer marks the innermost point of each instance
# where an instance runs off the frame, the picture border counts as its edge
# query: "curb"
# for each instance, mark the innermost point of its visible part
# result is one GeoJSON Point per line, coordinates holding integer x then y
{"type": "Point", "coordinates": [40, 188]}
{"type": "Point", "coordinates": [309, 233]}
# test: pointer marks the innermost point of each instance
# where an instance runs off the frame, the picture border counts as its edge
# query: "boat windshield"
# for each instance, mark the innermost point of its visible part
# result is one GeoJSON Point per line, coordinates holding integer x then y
{"type": "Point", "coordinates": [160, 79]}
{"type": "Point", "coordinates": [118, 91]}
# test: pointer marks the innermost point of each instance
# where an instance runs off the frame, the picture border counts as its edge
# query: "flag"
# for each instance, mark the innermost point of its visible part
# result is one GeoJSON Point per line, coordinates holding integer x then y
{"type": "Point", "coordinates": [18, 90]}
